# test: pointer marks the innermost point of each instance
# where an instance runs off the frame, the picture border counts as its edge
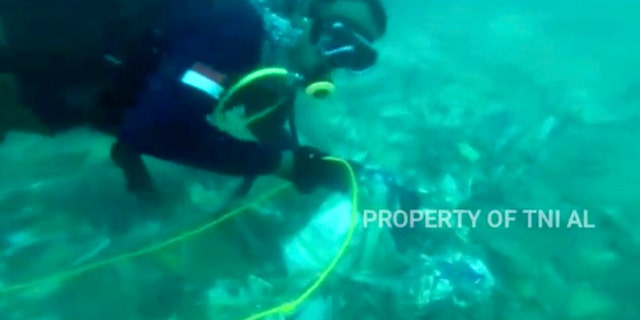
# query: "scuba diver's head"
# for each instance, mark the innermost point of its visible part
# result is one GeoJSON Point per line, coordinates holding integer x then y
{"type": "Point", "coordinates": [337, 34]}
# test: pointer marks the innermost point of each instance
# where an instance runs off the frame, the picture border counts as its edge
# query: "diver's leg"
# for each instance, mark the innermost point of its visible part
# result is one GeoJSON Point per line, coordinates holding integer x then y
{"type": "Point", "coordinates": [135, 171]}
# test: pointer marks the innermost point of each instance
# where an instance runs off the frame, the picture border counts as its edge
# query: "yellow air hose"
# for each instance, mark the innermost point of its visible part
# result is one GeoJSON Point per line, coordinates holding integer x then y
{"type": "Point", "coordinates": [243, 82]}
{"type": "Point", "coordinates": [286, 308]}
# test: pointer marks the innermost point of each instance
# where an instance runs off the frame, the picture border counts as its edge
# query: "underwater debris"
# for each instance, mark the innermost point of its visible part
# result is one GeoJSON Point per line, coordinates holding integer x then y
{"type": "Point", "coordinates": [316, 309]}
{"type": "Point", "coordinates": [312, 249]}
{"type": "Point", "coordinates": [101, 245]}
{"type": "Point", "coordinates": [233, 298]}
{"type": "Point", "coordinates": [468, 152]}
{"type": "Point", "coordinates": [433, 284]}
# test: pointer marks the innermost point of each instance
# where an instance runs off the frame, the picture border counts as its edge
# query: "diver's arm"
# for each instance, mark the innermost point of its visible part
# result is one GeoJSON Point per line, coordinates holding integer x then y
{"type": "Point", "coordinates": [139, 181]}
{"type": "Point", "coordinates": [222, 153]}
{"type": "Point", "coordinates": [195, 143]}
{"type": "Point", "coordinates": [158, 131]}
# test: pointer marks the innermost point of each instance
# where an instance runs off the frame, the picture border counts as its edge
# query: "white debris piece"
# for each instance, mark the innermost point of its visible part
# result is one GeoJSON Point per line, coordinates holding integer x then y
{"type": "Point", "coordinates": [313, 249]}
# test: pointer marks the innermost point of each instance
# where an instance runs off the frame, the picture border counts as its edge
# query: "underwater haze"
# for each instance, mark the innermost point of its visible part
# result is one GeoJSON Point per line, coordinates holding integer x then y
{"type": "Point", "coordinates": [517, 122]}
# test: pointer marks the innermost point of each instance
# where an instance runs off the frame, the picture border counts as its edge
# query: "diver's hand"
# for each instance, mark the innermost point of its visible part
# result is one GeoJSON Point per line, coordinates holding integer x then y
{"type": "Point", "coordinates": [311, 171]}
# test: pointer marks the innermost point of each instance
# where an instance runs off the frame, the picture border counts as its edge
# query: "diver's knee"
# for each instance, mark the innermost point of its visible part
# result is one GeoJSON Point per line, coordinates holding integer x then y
{"type": "Point", "coordinates": [132, 165]}
{"type": "Point", "coordinates": [116, 153]}
{"type": "Point", "coordinates": [123, 155]}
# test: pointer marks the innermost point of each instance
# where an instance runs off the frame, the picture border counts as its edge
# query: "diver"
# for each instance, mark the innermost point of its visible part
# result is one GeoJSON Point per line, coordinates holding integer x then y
{"type": "Point", "coordinates": [209, 47]}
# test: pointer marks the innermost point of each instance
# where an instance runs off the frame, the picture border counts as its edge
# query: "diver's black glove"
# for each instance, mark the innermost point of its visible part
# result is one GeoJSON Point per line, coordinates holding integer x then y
{"type": "Point", "coordinates": [311, 171]}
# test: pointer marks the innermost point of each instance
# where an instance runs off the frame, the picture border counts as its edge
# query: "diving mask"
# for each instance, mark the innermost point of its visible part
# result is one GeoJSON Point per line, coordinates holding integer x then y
{"type": "Point", "coordinates": [345, 48]}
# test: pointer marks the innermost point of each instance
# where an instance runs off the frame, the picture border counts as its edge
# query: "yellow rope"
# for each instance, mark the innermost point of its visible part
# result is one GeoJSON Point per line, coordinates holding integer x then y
{"type": "Point", "coordinates": [150, 249]}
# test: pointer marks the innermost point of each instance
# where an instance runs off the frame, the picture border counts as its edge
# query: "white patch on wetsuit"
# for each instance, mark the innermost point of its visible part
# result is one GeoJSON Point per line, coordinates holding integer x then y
{"type": "Point", "coordinates": [203, 83]}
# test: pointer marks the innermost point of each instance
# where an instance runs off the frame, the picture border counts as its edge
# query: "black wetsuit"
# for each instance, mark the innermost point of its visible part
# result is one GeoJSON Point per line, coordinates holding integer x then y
{"type": "Point", "coordinates": [168, 120]}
